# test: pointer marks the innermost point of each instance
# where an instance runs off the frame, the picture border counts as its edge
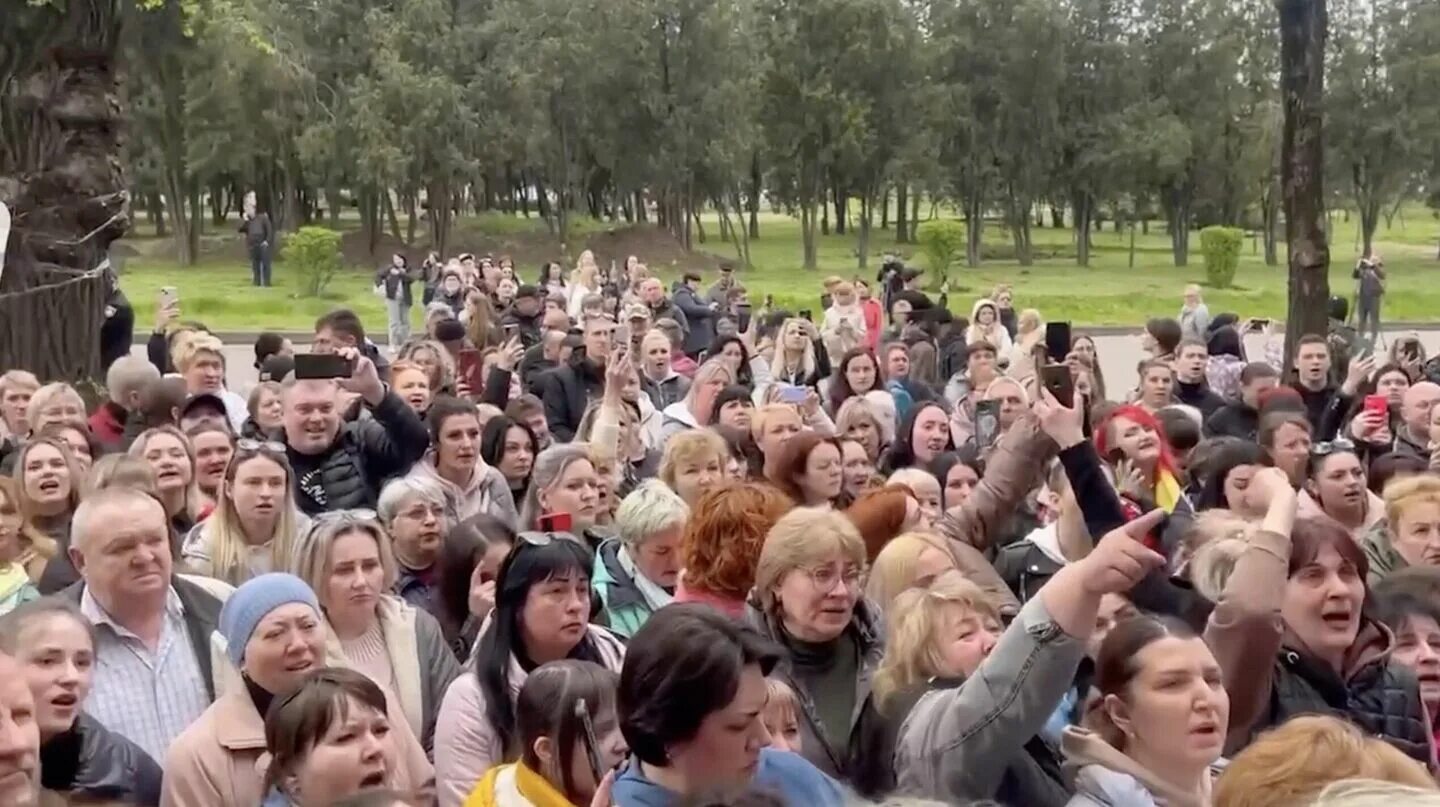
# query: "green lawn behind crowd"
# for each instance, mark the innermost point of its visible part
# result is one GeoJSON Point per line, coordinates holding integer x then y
{"type": "Point", "coordinates": [218, 293]}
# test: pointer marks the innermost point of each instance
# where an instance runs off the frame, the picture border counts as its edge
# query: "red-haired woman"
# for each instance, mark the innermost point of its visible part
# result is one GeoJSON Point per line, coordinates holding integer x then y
{"type": "Point", "coordinates": [1132, 437]}
{"type": "Point", "coordinates": [807, 468]}
{"type": "Point", "coordinates": [722, 542]}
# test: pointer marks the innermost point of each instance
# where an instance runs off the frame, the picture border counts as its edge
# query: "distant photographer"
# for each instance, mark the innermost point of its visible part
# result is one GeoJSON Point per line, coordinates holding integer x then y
{"type": "Point", "coordinates": [1370, 289]}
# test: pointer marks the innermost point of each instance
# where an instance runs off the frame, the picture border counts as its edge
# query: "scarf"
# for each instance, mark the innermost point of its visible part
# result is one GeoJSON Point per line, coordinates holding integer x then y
{"type": "Point", "coordinates": [1167, 490]}
{"type": "Point", "coordinates": [655, 596]}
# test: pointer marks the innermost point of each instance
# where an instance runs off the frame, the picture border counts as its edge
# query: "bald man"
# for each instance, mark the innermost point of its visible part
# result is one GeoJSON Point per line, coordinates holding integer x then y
{"type": "Point", "coordinates": [19, 738]}
{"type": "Point", "coordinates": [1413, 436]}
{"type": "Point", "coordinates": [153, 674]}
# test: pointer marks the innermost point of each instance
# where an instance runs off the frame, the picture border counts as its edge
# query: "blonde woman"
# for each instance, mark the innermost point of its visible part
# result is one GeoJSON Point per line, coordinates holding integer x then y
{"type": "Point", "coordinates": [970, 734]}
{"type": "Point", "coordinates": [172, 459]}
{"type": "Point", "coordinates": [54, 403]}
{"type": "Point", "coordinates": [911, 560]}
{"type": "Point", "coordinates": [795, 363]}
{"type": "Point", "coordinates": [693, 463]}
{"type": "Point", "coordinates": [255, 524]}
{"type": "Point", "coordinates": [50, 487]}
{"type": "Point", "coordinates": [1020, 360]}
{"type": "Point", "coordinates": [17, 388]}
{"type": "Point", "coordinates": [807, 598]}
{"type": "Point", "coordinates": [346, 560]}
{"type": "Point", "coordinates": [857, 420]}
{"type": "Point", "coordinates": [694, 410]}
{"type": "Point", "coordinates": [582, 285]}
{"type": "Point", "coordinates": [435, 360]}
{"type": "Point", "coordinates": [24, 550]}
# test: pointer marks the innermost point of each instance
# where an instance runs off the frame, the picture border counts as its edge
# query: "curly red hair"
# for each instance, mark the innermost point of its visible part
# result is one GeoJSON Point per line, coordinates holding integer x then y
{"type": "Point", "coordinates": [879, 516]}
{"type": "Point", "coordinates": [726, 531]}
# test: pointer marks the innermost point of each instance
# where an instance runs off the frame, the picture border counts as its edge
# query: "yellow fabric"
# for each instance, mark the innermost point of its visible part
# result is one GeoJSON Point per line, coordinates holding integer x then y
{"type": "Point", "coordinates": [515, 784]}
{"type": "Point", "coordinates": [1167, 491]}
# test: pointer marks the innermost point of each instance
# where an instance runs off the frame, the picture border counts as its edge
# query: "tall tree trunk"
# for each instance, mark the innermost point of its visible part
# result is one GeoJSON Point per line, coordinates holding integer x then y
{"type": "Point", "coordinates": [885, 209]}
{"type": "Point", "coordinates": [974, 226]}
{"type": "Point", "coordinates": [155, 206]}
{"type": "Point", "coordinates": [389, 206]}
{"type": "Point", "coordinates": [411, 219]}
{"type": "Point", "coordinates": [841, 209]}
{"type": "Point", "coordinates": [441, 215]}
{"type": "Point", "coordinates": [754, 200]}
{"type": "Point", "coordinates": [915, 217]}
{"type": "Point", "coordinates": [1083, 204]}
{"type": "Point", "coordinates": [1057, 218]}
{"type": "Point", "coordinates": [902, 229]}
{"type": "Point", "coordinates": [1303, 30]}
{"type": "Point", "coordinates": [1270, 215]}
{"type": "Point", "coordinates": [824, 217]}
{"type": "Point", "coordinates": [867, 214]}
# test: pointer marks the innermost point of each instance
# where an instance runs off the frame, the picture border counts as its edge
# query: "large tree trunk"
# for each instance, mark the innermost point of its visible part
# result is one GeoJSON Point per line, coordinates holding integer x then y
{"type": "Point", "coordinates": [974, 227]}
{"type": "Point", "coordinates": [1303, 26]}
{"type": "Point", "coordinates": [1083, 204]}
{"type": "Point", "coordinates": [754, 207]}
{"type": "Point", "coordinates": [902, 210]}
{"type": "Point", "coordinates": [61, 134]}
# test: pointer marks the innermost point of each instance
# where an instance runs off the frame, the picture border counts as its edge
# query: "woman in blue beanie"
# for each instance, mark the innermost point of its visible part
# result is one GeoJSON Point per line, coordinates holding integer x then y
{"type": "Point", "coordinates": [275, 637]}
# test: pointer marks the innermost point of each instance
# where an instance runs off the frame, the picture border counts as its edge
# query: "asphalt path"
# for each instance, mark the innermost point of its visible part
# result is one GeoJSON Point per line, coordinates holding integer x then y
{"type": "Point", "coordinates": [1119, 355]}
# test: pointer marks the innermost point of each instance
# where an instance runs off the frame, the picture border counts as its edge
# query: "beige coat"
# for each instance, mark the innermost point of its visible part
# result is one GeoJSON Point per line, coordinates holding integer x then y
{"type": "Point", "coordinates": [220, 760]}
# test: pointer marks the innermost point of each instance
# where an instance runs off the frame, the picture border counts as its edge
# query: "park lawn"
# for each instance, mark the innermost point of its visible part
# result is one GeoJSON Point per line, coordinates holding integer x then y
{"type": "Point", "coordinates": [217, 292]}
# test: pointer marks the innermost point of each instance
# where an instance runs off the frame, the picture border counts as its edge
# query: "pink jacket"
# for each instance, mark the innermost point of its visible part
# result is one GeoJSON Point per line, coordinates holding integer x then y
{"type": "Point", "coordinates": [466, 744]}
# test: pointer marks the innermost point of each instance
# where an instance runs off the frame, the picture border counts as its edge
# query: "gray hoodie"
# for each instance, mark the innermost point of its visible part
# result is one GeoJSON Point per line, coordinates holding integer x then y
{"type": "Point", "coordinates": [1106, 777]}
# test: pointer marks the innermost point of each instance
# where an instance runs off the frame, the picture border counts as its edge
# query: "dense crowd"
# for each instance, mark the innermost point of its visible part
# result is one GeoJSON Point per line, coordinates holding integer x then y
{"type": "Point", "coordinates": [591, 540]}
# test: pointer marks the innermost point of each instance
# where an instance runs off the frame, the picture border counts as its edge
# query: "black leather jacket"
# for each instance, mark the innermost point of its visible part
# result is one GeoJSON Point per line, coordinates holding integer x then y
{"type": "Point", "coordinates": [91, 762]}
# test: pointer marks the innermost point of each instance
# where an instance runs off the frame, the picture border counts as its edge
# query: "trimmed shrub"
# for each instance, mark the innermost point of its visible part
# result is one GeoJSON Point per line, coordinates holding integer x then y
{"type": "Point", "coordinates": [1221, 246]}
{"type": "Point", "coordinates": [943, 243]}
{"type": "Point", "coordinates": [314, 254]}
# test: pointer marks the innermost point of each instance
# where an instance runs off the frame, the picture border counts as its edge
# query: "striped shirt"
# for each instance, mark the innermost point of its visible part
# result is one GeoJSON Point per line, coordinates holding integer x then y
{"type": "Point", "coordinates": [148, 697]}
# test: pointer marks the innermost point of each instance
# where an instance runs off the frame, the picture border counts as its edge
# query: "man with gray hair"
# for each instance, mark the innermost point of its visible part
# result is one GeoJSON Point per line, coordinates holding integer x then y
{"type": "Point", "coordinates": [153, 673]}
{"type": "Point", "coordinates": [636, 573]}
{"type": "Point", "coordinates": [125, 379]}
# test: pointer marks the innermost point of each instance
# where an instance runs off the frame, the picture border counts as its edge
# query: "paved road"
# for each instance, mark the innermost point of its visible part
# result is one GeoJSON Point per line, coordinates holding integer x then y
{"type": "Point", "coordinates": [1118, 356]}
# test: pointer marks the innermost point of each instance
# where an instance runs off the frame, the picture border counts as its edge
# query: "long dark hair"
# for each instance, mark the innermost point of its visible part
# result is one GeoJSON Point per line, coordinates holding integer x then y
{"type": "Point", "coordinates": [492, 441]}
{"type": "Point", "coordinates": [743, 376]}
{"type": "Point", "coordinates": [945, 461]}
{"type": "Point", "coordinates": [546, 708]}
{"type": "Point", "coordinates": [840, 384]}
{"type": "Point", "coordinates": [526, 566]}
{"type": "Point", "coordinates": [901, 453]}
{"type": "Point", "coordinates": [1221, 463]}
{"type": "Point", "coordinates": [465, 546]}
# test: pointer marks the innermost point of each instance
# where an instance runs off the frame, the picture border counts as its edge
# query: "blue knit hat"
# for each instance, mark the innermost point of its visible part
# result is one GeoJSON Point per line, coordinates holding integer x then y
{"type": "Point", "coordinates": [252, 601]}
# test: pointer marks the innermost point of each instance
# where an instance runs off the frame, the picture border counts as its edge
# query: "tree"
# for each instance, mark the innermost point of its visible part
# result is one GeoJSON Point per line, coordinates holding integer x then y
{"type": "Point", "coordinates": [1303, 28]}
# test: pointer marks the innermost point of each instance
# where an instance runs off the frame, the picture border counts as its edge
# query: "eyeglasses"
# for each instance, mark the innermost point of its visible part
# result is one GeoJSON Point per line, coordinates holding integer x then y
{"type": "Point", "coordinates": [267, 446]}
{"type": "Point", "coordinates": [1329, 447]}
{"type": "Point", "coordinates": [825, 577]}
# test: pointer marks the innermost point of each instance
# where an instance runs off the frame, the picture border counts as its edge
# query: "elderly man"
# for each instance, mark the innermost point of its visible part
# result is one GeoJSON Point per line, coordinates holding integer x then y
{"type": "Point", "coordinates": [124, 380]}
{"type": "Point", "coordinates": [19, 737]}
{"type": "Point", "coordinates": [200, 360]}
{"type": "Point", "coordinates": [1413, 437]}
{"type": "Point", "coordinates": [341, 466]}
{"type": "Point", "coordinates": [153, 672]}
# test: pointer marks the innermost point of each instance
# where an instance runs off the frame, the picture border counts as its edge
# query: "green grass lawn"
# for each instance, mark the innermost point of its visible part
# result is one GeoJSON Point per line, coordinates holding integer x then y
{"type": "Point", "coordinates": [1109, 292]}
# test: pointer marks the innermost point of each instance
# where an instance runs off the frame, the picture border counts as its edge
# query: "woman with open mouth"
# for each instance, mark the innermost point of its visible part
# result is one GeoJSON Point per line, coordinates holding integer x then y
{"type": "Point", "coordinates": [1133, 435]}
{"type": "Point", "coordinates": [346, 557]}
{"type": "Point", "coordinates": [256, 521]}
{"type": "Point", "coordinates": [172, 459]}
{"type": "Point", "coordinates": [542, 614]}
{"type": "Point", "coordinates": [275, 638]}
{"type": "Point", "coordinates": [79, 757]}
{"type": "Point", "coordinates": [331, 740]}
{"type": "Point", "coordinates": [49, 493]}
{"type": "Point", "coordinates": [454, 463]}
{"type": "Point", "coordinates": [213, 446]}
{"type": "Point", "coordinates": [24, 550]}
{"type": "Point", "coordinates": [1335, 490]}
{"type": "Point", "coordinates": [1325, 655]}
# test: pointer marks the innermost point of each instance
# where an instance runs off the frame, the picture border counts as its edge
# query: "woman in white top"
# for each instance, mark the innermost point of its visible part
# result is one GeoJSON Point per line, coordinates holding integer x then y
{"type": "Point", "coordinates": [985, 326]}
{"type": "Point", "coordinates": [345, 558]}
{"type": "Point", "coordinates": [255, 523]}
{"type": "Point", "coordinates": [582, 284]}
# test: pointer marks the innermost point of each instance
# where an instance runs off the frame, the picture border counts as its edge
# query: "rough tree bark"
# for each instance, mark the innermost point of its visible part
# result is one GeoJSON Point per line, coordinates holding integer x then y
{"type": "Point", "coordinates": [1303, 28]}
{"type": "Point", "coordinates": [61, 133]}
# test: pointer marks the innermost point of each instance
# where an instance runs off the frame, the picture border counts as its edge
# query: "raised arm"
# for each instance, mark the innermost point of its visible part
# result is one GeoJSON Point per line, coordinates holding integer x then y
{"type": "Point", "coordinates": [1010, 472]}
{"type": "Point", "coordinates": [1245, 629]}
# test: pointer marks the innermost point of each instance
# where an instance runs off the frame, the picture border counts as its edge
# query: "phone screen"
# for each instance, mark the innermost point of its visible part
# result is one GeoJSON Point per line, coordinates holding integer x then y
{"type": "Point", "coordinates": [987, 423]}
{"type": "Point", "coordinates": [793, 395]}
{"type": "Point", "coordinates": [1057, 340]}
{"type": "Point", "coordinates": [322, 365]}
{"type": "Point", "coordinates": [471, 369]}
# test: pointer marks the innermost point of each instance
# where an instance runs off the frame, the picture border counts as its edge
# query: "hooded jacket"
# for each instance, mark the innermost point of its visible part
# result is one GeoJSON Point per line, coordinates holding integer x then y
{"type": "Point", "coordinates": [997, 335]}
{"type": "Point", "coordinates": [486, 492]}
{"type": "Point", "coordinates": [91, 762]}
{"type": "Point", "coordinates": [1106, 777]}
{"type": "Point", "coordinates": [625, 604]}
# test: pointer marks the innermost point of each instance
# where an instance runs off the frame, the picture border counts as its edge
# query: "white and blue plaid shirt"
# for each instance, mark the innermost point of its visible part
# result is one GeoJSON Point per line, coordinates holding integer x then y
{"type": "Point", "coordinates": [149, 697]}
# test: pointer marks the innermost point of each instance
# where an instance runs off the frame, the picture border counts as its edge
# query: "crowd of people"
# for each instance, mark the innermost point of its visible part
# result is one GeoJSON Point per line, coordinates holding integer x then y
{"type": "Point", "coordinates": [588, 539]}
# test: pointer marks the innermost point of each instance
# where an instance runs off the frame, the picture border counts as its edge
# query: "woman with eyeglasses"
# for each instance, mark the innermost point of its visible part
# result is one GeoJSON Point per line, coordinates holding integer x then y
{"type": "Point", "coordinates": [256, 522]}
{"type": "Point", "coordinates": [542, 614]}
{"type": "Point", "coordinates": [1335, 489]}
{"type": "Point", "coordinates": [275, 637]}
{"type": "Point", "coordinates": [416, 514]}
{"type": "Point", "coordinates": [346, 558]}
{"type": "Point", "coordinates": [807, 598]}
{"type": "Point", "coordinates": [1324, 654]}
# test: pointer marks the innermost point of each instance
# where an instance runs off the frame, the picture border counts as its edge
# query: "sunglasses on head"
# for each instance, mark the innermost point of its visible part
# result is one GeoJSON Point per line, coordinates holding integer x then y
{"type": "Point", "coordinates": [1329, 447]}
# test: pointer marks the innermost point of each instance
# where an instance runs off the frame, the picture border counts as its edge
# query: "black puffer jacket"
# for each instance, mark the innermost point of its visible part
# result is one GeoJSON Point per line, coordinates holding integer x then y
{"type": "Point", "coordinates": [1378, 696]}
{"type": "Point", "coordinates": [567, 391]}
{"type": "Point", "coordinates": [365, 454]}
{"type": "Point", "coordinates": [91, 762]}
